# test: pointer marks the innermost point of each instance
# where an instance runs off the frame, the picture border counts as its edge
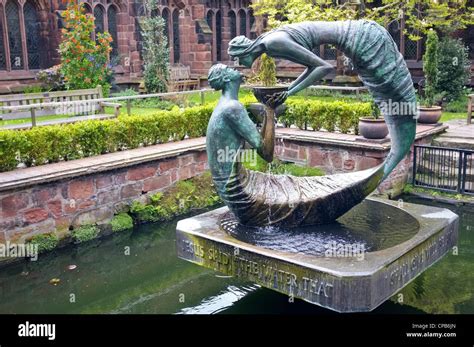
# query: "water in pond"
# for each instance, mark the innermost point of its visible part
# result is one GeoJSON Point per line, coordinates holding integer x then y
{"type": "Point", "coordinates": [151, 279]}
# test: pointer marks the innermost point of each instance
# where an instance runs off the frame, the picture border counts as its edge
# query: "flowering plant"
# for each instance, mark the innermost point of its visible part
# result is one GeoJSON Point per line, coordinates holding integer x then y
{"type": "Point", "coordinates": [52, 78]}
{"type": "Point", "coordinates": [84, 62]}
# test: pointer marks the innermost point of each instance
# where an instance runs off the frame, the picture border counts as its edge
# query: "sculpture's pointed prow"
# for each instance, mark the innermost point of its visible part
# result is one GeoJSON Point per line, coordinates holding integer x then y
{"type": "Point", "coordinates": [263, 199]}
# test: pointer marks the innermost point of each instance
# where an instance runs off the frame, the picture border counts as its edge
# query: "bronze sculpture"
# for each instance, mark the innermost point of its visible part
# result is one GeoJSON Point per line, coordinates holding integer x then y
{"type": "Point", "coordinates": [258, 199]}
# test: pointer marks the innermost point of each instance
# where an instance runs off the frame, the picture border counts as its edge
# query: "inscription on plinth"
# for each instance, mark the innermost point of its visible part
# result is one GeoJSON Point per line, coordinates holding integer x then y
{"type": "Point", "coordinates": [340, 284]}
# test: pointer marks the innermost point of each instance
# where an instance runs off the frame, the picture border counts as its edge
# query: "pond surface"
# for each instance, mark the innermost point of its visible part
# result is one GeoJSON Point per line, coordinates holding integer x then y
{"type": "Point", "coordinates": [138, 272]}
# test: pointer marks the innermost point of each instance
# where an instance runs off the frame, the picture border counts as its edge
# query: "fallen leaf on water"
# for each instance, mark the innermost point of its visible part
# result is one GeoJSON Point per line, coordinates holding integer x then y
{"type": "Point", "coordinates": [72, 267]}
{"type": "Point", "coordinates": [54, 281]}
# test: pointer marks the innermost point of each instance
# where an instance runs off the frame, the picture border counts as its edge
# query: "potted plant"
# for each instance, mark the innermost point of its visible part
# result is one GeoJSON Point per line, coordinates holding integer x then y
{"type": "Point", "coordinates": [373, 127]}
{"type": "Point", "coordinates": [428, 111]}
{"type": "Point", "coordinates": [264, 85]}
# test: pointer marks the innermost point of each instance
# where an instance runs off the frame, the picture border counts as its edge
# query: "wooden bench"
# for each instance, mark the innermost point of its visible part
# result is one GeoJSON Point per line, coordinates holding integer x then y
{"type": "Point", "coordinates": [78, 104]}
{"type": "Point", "coordinates": [469, 108]}
{"type": "Point", "coordinates": [181, 79]}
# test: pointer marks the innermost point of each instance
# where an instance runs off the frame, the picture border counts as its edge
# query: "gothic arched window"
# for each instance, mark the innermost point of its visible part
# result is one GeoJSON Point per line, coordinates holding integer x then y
{"type": "Point", "coordinates": [218, 36]}
{"type": "Point", "coordinates": [166, 17]}
{"type": "Point", "coordinates": [2, 49]}
{"type": "Point", "coordinates": [233, 24]}
{"type": "Point", "coordinates": [99, 19]}
{"type": "Point", "coordinates": [176, 45]}
{"type": "Point", "coordinates": [112, 28]}
{"type": "Point", "coordinates": [12, 11]}
{"type": "Point", "coordinates": [32, 32]}
{"type": "Point", "coordinates": [243, 23]}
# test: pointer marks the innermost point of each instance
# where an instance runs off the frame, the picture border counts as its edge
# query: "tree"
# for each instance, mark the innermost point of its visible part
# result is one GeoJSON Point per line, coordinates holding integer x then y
{"type": "Point", "coordinates": [420, 15]}
{"type": "Point", "coordinates": [84, 62]}
{"type": "Point", "coordinates": [155, 50]}
{"type": "Point", "coordinates": [430, 67]}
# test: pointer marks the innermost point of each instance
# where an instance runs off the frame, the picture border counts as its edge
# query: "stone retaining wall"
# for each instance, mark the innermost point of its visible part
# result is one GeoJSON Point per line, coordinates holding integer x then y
{"type": "Point", "coordinates": [94, 198]}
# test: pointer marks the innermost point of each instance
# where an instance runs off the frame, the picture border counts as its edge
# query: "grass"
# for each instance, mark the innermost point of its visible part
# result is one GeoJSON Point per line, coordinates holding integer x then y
{"type": "Point", "coordinates": [410, 189]}
{"type": "Point", "coordinates": [446, 116]}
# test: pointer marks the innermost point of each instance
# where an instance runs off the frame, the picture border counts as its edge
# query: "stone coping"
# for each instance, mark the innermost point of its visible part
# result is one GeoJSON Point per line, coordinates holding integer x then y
{"type": "Point", "coordinates": [349, 140]}
{"type": "Point", "coordinates": [66, 169]}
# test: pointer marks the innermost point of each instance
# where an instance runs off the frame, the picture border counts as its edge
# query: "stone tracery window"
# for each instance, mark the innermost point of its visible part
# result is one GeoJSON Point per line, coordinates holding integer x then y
{"type": "Point", "coordinates": [99, 19]}
{"type": "Point", "coordinates": [2, 49]}
{"type": "Point", "coordinates": [214, 20]}
{"type": "Point", "coordinates": [19, 36]}
{"type": "Point", "coordinates": [106, 16]}
{"type": "Point", "coordinates": [112, 29]}
{"type": "Point", "coordinates": [12, 11]}
{"type": "Point", "coordinates": [241, 18]}
{"type": "Point", "coordinates": [172, 29]}
{"type": "Point", "coordinates": [32, 35]}
{"type": "Point", "coordinates": [232, 24]}
{"type": "Point", "coordinates": [176, 38]}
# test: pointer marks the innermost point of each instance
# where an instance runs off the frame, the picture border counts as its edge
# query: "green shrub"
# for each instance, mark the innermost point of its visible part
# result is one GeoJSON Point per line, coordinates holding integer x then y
{"type": "Point", "coordinates": [121, 222]}
{"type": "Point", "coordinates": [85, 233]}
{"type": "Point", "coordinates": [45, 242]}
{"type": "Point", "coordinates": [197, 192]}
{"type": "Point", "coordinates": [155, 51]}
{"type": "Point", "coordinates": [430, 68]}
{"type": "Point", "coordinates": [267, 73]}
{"type": "Point", "coordinates": [453, 68]}
{"type": "Point", "coordinates": [330, 115]}
{"type": "Point", "coordinates": [12, 145]}
{"type": "Point", "coordinates": [457, 106]}
{"type": "Point", "coordinates": [278, 167]}
{"type": "Point", "coordinates": [49, 144]}
{"type": "Point", "coordinates": [297, 170]}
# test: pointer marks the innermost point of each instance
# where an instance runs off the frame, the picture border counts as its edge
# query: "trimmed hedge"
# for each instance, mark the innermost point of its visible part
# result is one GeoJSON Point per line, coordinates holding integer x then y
{"type": "Point", "coordinates": [341, 115]}
{"type": "Point", "coordinates": [49, 144]}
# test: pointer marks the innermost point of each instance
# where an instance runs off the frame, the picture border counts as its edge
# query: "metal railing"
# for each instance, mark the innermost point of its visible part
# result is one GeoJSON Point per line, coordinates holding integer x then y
{"type": "Point", "coordinates": [446, 169]}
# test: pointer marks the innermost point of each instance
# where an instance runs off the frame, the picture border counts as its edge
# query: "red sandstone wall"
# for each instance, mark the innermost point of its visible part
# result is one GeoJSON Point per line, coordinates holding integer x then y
{"type": "Point", "coordinates": [336, 159]}
{"type": "Point", "coordinates": [89, 199]}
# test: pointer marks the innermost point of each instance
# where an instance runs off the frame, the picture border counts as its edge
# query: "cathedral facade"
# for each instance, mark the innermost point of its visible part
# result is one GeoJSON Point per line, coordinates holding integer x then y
{"type": "Point", "coordinates": [198, 33]}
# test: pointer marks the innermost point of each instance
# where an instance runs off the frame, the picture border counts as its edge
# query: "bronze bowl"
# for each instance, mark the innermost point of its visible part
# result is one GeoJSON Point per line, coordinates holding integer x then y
{"type": "Point", "coordinates": [265, 95]}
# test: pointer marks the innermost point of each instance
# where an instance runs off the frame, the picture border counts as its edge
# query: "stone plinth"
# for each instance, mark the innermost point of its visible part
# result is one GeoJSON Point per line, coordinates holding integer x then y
{"type": "Point", "coordinates": [343, 284]}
